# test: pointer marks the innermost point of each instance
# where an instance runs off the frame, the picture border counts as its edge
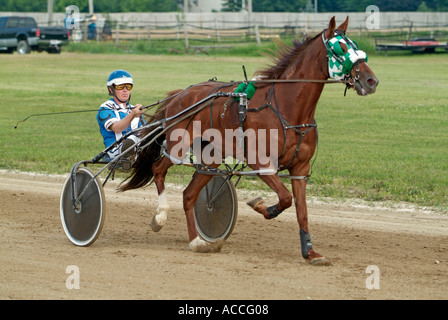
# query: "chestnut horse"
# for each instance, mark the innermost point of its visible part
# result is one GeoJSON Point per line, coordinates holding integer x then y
{"type": "Point", "coordinates": [281, 104]}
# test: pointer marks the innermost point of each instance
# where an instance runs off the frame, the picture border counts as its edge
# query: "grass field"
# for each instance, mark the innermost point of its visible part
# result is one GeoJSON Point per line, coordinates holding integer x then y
{"type": "Point", "coordinates": [230, 47]}
{"type": "Point", "coordinates": [389, 146]}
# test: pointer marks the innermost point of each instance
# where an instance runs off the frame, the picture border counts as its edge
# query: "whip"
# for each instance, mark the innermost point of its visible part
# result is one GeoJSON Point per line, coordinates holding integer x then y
{"type": "Point", "coordinates": [96, 110]}
{"type": "Point", "coordinates": [79, 111]}
{"type": "Point", "coordinates": [49, 114]}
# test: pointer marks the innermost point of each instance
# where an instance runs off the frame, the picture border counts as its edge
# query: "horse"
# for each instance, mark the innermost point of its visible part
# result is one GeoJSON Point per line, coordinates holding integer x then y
{"type": "Point", "coordinates": [284, 104]}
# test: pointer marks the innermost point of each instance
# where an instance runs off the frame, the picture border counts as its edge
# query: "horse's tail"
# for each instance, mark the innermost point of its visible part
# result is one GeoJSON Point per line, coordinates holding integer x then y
{"type": "Point", "coordinates": [142, 173]}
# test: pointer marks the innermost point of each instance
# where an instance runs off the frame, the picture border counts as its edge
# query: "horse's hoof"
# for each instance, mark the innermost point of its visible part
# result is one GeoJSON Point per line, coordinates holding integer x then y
{"type": "Point", "coordinates": [256, 203]}
{"type": "Point", "coordinates": [316, 259]}
{"type": "Point", "coordinates": [322, 261]}
{"type": "Point", "coordinates": [157, 224]}
{"type": "Point", "coordinates": [259, 205]}
{"type": "Point", "coordinates": [199, 245]}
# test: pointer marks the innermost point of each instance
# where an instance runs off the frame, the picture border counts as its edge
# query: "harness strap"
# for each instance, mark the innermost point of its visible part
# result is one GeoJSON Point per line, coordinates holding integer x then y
{"type": "Point", "coordinates": [302, 134]}
{"type": "Point", "coordinates": [241, 143]}
{"type": "Point", "coordinates": [285, 126]}
{"type": "Point", "coordinates": [258, 109]}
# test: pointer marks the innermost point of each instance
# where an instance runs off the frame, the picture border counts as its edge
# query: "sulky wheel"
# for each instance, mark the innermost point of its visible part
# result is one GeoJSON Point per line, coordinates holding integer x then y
{"type": "Point", "coordinates": [83, 222]}
{"type": "Point", "coordinates": [216, 209]}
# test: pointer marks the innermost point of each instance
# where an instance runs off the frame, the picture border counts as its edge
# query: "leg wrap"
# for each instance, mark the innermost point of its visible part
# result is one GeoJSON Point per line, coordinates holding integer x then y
{"type": "Point", "coordinates": [305, 241]}
{"type": "Point", "coordinates": [273, 211]}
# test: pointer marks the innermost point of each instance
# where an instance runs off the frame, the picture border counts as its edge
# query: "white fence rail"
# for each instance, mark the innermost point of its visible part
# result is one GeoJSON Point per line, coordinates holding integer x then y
{"type": "Point", "coordinates": [231, 20]}
{"type": "Point", "coordinates": [220, 26]}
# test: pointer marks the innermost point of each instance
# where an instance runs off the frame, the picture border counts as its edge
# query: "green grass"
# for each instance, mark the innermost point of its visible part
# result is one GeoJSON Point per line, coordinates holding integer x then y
{"type": "Point", "coordinates": [233, 47]}
{"type": "Point", "coordinates": [174, 47]}
{"type": "Point", "coordinates": [389, 146]}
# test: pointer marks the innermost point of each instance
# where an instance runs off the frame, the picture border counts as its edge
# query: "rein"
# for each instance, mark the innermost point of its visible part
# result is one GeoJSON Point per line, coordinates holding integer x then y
{"type": "Point", "coordinates": [298, 81]}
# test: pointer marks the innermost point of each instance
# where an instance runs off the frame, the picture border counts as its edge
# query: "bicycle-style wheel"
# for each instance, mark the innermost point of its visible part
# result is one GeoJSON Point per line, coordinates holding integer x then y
{"type": "Point", "coordinates": [83, 223]}
{"type": "Point", "coordinates": [216, 209]}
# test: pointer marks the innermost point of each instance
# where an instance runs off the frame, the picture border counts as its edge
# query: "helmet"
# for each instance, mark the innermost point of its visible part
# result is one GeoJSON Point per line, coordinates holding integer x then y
{"type": "Point", "coordinates": [118, 77]}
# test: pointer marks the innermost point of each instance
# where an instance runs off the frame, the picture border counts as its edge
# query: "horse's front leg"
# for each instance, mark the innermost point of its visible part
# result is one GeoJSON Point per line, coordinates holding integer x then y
{"type": "Point", "coordinates": [284, 198]}
{"type": "Point", "coordinates": [308, 253]}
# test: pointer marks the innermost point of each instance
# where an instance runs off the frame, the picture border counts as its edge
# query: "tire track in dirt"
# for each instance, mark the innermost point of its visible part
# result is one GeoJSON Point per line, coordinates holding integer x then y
{"type": "Point", "coordinates": [260, 260]}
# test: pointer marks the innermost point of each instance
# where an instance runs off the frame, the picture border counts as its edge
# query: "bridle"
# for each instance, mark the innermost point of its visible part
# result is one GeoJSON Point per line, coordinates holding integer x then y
{"type": "Point", "coordinates": [340, 64]}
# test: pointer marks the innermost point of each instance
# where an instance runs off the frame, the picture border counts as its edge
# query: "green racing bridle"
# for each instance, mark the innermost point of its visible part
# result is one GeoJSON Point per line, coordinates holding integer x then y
{"type": "Point", "coordinates": [340, 63]}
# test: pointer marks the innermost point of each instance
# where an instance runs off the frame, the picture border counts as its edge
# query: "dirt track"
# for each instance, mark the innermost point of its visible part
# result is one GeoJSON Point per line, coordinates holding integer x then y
{"type": "Point", "coordinates": [260, 260]}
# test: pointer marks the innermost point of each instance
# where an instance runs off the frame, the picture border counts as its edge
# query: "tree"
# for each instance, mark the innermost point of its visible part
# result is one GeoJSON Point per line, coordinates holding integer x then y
{"type": "Point", "coordinates": [232, 5]}
{"type": "Point", "coordinates": [398, 5]}
{"type": "Point", "coordinates": [100, 6]}
{"type": "Point", "coordinates": [23, 5]}
{"type": "Point", "coordinates": [436, 5]}
{"type": "Point", "coordinates": [106, 6]}
{"type": "Point", "coordinates": [279, 5]}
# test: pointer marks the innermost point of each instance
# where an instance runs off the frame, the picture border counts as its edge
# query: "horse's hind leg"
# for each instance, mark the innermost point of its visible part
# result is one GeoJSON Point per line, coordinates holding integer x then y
{"type": "Point", "coordinates": [160, 169]}
{"type": "Point", "coordinates": [190, 196]}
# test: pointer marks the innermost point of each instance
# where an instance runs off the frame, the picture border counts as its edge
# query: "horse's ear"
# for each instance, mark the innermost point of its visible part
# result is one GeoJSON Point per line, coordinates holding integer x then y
{"type": "Point", "coordinates": [344, 26]}
{"type": "Point", "coordinates": [331, 26]}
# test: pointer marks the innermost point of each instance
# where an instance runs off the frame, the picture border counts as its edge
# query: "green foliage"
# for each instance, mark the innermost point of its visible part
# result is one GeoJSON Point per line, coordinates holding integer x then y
{"type": "Point", "coordinates": [104, 6]}
{"type": "Point", "coordinates": [107, 6]}
{"type": "Point", "coordinates": [232, 5]}
{"type": "Point", "coordinates": [230, 47]}
{"type": "Point", "coordinates": [383, 5]}
{"type": "Point", "coordinates": [279, 6]}
{"type": "Point", "coordinates": [23, 5]}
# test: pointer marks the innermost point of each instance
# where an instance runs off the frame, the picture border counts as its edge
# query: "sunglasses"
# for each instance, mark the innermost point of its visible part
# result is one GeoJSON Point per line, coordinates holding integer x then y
{"type": "Point", "coordinates": [122, 86]}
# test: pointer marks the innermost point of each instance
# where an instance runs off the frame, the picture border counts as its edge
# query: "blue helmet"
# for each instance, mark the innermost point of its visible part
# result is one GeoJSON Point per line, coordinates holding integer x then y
{"type": "Point", "coordinates": [118, 77]}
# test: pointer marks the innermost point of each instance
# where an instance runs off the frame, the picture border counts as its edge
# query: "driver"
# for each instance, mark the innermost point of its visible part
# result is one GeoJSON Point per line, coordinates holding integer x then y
{"type": "Point", "coordinates": [117, 117]}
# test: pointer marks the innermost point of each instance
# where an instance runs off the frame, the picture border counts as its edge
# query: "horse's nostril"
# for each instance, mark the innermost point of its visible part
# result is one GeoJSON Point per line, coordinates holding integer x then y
{"type": "Point", "coordinates": [372, 82]}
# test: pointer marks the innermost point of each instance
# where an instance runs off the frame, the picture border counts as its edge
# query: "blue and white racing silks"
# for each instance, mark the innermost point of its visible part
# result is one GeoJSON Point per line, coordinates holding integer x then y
{"type": "Point", "coordinates": [109, 113]}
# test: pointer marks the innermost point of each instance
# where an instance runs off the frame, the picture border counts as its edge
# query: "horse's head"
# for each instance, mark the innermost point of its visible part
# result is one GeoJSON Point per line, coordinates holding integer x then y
{"type": "Point", "coordinates": [346, 61]}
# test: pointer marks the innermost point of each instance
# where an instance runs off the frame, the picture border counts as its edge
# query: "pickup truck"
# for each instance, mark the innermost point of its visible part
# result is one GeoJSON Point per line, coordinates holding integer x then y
{"type": "Point", "coordinates": [23, 34]}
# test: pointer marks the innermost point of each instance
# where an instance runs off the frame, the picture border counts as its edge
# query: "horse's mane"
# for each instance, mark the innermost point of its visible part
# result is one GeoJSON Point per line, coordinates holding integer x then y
{"type": "Point", "coordinates": [285, 57]}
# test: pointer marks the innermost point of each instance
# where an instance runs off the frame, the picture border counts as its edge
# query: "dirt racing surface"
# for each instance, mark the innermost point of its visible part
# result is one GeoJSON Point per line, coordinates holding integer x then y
{"type": "Point", "coordinates": [375, 253]}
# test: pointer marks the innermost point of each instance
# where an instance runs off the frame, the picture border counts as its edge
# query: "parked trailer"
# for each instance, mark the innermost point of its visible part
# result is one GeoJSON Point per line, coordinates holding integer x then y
{"type": "Point", "coordinates": [423, 45]}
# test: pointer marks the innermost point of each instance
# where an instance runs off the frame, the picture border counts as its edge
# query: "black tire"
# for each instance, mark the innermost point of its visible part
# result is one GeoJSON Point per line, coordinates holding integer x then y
{"type": "Point", "coordinates": [54, 50]}
{"type": "Point", "coordinates": [217, 220]}
{"type": "Point", "coordinates": [83, 224]}
{"type": "Point", "coordinates": [23, 47]}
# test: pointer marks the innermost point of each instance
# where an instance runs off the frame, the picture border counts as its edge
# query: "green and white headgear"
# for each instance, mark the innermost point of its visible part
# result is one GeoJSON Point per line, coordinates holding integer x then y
{"type": "Point", "coordinates": [339, 63]}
